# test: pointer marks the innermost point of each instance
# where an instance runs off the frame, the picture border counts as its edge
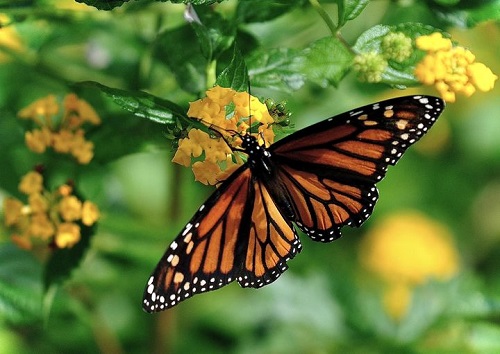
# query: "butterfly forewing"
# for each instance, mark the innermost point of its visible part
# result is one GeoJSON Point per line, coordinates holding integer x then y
{"type": "Point", "coordinates": [330, 168]}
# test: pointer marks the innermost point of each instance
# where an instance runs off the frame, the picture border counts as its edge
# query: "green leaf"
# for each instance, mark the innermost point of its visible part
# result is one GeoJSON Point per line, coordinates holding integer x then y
{"type": "Point", "coordinates": [21, 290]}
{"type": "Point", "coordinates": [350, 9]}
{"type": "Point", "coordinates": [177, 49]}
{"type": "Point", "coordinates": [279, 69]}
{"type": "Point", "coordinates": [264, 10]}
{"type": "Point", "coordinates": [327, 60]}
{"type": "Point", "coordinates": [103, 4]}
{"type": "Point", "coordinates": [140, 103]}
{"type": "Point", "coordinates": [235, 75]}
{"type": "Point", "coordinates": [63, 261]}
{"type": "Point", "coordinates": [215, 34]}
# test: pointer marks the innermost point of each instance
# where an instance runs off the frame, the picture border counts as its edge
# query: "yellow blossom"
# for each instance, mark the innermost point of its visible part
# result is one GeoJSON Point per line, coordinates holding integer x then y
{"type": "Point", "coordinates": [41, 226]}
{"type": "Point", "coordinates": [38, 203]}
{"type": "Point", "coordinates": [63, 141]}
{"type": "Point", "coordinates": [90, 213]}
{"type": "Point", "coordinates": [45, 108]}
{"type": "Point", "coordinates": [451, 69]}
{"type": "Point", "coordinates": [68, 234]}
{"type": "Point", "coordinates": [406, 250]}
{"type": "Point", "coordinates": [70, 208]}
{"type": "Point", "coordinates": [38, 140]}
{"type": "Point", "coordinates": [65, 137]}
{"type": "Point", "coordinates": [8, 39]}
{"type": "Point", "coordinates": [13, 209]}
{"type": "Point", "coordinates": [31, 183]}
{"type": "Point", "coordinates": [433, 42]}
{"type": "Point", "coordinates": [82, 149]}
{"type": "Point", "coordinates": [229, 113]}
{"type": "Point", "coordinates": [65, 190]}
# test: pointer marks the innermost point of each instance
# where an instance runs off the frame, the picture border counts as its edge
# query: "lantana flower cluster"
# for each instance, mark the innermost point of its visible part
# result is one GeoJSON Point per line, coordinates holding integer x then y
{"type": "Point", "coordinates": [64, 131]}
{"type": "Point", "coordinates": [452, 69]}
{"type": "Point", "coordinates": [406, 250]}
{"type": "Point", "coordinates": [48, 218]}
{"type": "Point", "coordinates": [228, 114]}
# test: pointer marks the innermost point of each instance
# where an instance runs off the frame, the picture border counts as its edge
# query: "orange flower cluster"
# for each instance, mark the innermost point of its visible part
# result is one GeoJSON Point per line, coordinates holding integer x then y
{"type": "Point", "coordinates": [229, 113]}
{"type": "Point", "coordinates": [48, 217]}
{"type": "Point", "coordinates": [64, 132]}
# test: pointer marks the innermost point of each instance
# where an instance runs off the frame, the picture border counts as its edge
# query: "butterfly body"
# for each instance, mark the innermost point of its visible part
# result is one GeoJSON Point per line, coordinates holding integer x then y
{"type": "Point", "coordinates": [320, 178]}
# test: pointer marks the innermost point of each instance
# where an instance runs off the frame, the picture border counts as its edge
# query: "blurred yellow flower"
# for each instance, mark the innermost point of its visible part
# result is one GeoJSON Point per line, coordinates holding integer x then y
{"type": "Point", "coordinates": [41, 226]}
{"type": "Point", "coordinates": [64, 134]}
{"type": "Point", "coordinates": [46, 213]}
{"type": "Point", "coordinates": [38, 140]}
{"type": "Point", "coordinates": [407, 249]}
{"type": "Point", "coordinates": [31, 183]}
{"type": "Point", "coordinates": [68, 234]}
{"type": "Point", "coordinates": [38, 203]}
{"type": "Point", "coordinates": [451, 69]}
{"type": "Point", "coordinates": [90, 213]}
{"type": "Point", "coordinates": [228, 113]}
{"type": "Point", "coordinates": [8, 39]}
{"type": "Point", "coordinates": [12, 208]}
{"type": "Point", "coordinates": [70, 208]}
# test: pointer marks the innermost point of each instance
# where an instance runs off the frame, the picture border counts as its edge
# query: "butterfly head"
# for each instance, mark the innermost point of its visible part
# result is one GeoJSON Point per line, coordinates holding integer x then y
{"type": "Point", "coordinates": [259, 158]}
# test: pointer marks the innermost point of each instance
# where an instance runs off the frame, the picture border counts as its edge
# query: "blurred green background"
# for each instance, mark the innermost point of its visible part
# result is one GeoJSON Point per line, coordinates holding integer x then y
{"type": "Point", "coordinates": [326, 302]}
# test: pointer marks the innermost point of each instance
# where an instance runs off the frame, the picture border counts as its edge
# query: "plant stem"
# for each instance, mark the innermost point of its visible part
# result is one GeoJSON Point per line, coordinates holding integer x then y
{"type": "Point", "coordinates": [324, 15]}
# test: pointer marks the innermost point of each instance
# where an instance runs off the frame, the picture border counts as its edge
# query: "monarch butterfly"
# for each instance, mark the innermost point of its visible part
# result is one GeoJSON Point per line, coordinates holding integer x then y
{"type": "Point", "coordinates": [320, 178]}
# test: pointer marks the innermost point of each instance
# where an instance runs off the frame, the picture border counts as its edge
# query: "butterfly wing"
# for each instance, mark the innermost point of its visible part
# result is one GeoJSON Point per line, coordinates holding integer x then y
{"type": "Point", "coordinates": [238, 234]}
{"type": "Point", "coordinates": [330, 168]}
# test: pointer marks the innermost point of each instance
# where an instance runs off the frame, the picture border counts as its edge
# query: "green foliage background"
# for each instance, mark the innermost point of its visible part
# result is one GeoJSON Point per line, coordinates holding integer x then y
{"type": "Point", "coordinates": [140, 59]}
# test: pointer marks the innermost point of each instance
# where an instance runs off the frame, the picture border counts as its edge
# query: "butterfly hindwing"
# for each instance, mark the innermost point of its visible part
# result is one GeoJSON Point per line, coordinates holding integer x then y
{"type": "Point", "coordinates": [238, 234]}
{"type": "Point", "coordinates": [272, 241]}
{"type": "Point", "coordinates": [330, 168]}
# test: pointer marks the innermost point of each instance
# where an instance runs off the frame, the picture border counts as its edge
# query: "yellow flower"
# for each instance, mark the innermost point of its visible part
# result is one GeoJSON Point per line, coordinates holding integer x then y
{"type": "Point", "coordinates": [37, 203]}
{"type": "Point", "coordinates": [66, 136]}
{"type": "Point", "coordinates": [13, 210]}
{"type": "Point", "coordinates": [38, 140]}
{"type": "Point", "coordinates": [31, 183]}
{"type": "Point", "coordinates": [433, 42]}
{"type": "Point", "coordinates": [82, 149]}
{"type": "Point", "coordinates": [63, 141]}
{"type": "Point", "coordinates": [228, 113]}
{"type": "Point", "coordinates": [41, 226]}
{"type": "Point", "coordinates": [79, 111]}
{"type": "Point", "coordinates": [451, 69]}
{"type": "Point", "coordinates": [70, 208]}
{"type": "Point", "coordinates": [45, 108]}
{"type": "Point", "coordinates": [8, 39]}
{"type": "Point", "coordinates": [90, 213]}
{"type": "Point", "coordinates": [407, 249]}
{"type": "Point", "coordinates": [68, 234]}
{"type": "Point", "coordinates": [481, 76]}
